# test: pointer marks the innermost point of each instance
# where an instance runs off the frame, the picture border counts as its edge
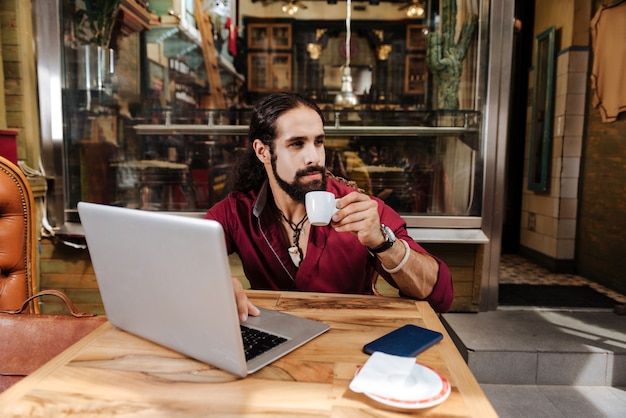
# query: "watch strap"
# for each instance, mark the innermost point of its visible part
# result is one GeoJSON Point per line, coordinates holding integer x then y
{"type": "Point", "coordinates": [388, 243]}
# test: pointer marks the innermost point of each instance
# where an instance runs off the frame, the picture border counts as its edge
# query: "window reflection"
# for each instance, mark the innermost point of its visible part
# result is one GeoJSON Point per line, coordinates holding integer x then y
{"type": "Point", "coordinates": [400, 146]}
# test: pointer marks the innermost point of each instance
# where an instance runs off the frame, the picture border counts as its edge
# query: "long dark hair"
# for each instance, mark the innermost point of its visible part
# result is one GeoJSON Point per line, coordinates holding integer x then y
{"type": "Point", "coordinates": [249, 173]}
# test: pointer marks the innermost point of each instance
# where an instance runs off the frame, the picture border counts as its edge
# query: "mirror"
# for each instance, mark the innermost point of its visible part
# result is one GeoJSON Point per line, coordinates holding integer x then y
{"type": "Point", "coordinates": [542, 109]}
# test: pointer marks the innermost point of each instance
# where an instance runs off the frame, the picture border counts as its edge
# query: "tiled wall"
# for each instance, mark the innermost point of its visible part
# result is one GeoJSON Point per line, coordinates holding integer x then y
{"type": "Point", "coordinates": [548, 224]}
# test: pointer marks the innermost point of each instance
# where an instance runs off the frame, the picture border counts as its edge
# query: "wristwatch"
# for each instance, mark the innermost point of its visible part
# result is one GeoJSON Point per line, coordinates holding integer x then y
{"type": "Point", "coordinates": [390, 238]}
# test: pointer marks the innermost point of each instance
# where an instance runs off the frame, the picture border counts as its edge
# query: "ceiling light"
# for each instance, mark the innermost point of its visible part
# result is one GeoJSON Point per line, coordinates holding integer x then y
{"type": "Point", "coordinates": [291, 8]}
{"type": "Point", "coordinates": [346, 97]}
{"type": "Point", "coordinates": [416, 9]}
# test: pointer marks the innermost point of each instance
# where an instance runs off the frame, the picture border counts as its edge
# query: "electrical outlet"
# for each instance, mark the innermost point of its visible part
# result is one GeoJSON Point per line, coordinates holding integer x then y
{"type": "Point", "coordinates": [532, 221]}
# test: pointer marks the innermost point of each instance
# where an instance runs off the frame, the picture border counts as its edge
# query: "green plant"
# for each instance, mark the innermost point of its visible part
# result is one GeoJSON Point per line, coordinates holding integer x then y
{"type": "Point", "coordinates": [94, 22]}
{"type": "Point", "coordinates": [445, 58]}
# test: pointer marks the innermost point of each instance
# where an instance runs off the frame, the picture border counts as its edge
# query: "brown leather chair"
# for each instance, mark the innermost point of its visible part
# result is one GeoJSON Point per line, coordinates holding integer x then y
{"type": "Point", "coordinates": [18, 239]}
{"type": "Point", "coordinates": [26, 341]}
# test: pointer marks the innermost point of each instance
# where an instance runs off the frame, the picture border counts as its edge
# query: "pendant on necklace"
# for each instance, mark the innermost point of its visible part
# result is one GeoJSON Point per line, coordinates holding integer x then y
{"type": "Point", "coordinates": [294, 253]}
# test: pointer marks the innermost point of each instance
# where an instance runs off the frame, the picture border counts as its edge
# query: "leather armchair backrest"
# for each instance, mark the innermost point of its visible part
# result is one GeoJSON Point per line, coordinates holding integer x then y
{"type": "Point", "coordinates": [17, 238]}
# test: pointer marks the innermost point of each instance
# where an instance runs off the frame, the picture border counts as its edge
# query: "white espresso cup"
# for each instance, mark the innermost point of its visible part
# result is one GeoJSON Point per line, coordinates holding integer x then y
{"type": "Point", "coordinates": [320, 207]}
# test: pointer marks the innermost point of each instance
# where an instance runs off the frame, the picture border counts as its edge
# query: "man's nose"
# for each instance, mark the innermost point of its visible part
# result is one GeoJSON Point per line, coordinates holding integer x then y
{"type": "Point", "coordinates": [311, 156]}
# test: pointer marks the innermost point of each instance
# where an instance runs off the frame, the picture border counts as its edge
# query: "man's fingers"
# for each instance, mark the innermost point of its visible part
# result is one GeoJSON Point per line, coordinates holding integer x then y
{"type": "Point", "coordinates": [253, 310]}
{"type": "Point", "coordinates": [244, 306]}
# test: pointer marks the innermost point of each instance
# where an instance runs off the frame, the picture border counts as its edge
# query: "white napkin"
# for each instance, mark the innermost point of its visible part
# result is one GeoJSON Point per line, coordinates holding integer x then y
{"type": "Point", "coordinates": [387, 376]}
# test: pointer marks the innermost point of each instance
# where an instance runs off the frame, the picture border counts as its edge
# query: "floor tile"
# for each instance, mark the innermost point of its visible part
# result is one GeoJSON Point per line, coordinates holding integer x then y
{"type": "Point", "coordinates": [520, 401]}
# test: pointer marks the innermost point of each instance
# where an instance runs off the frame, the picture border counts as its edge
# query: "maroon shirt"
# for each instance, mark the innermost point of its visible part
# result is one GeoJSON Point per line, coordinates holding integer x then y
{"type": "Point", "coordinates": [334, 262]}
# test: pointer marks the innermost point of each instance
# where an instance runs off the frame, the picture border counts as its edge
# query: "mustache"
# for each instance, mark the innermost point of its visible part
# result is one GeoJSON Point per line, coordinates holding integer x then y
{"type": "Point", "coordinates": [309, 170]}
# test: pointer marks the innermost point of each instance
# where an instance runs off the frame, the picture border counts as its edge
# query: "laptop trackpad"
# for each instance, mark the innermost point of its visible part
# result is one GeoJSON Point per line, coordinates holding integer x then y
{"type": "Point", "coordinates": [283, 324]}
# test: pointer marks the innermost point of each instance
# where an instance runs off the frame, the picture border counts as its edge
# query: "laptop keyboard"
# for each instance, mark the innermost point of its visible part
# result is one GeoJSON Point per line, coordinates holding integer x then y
{"type": "Point", "coordinates": [256, 342]}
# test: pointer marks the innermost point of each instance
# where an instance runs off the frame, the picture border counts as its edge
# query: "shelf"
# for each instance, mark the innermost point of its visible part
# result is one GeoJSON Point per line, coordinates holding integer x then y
{"type": "Point", "coordinates": [448, 235]}
{"type": "Point", "coordinates": [331, 130]}
{"type": "Point", "coordinates": [463, 124]}
{"type": "Point", "coordinates": [466, 125]}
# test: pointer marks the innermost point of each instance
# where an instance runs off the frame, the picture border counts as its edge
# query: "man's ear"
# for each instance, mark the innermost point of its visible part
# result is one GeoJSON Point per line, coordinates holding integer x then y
{"type": "Point", "coordinates": [262, 151]}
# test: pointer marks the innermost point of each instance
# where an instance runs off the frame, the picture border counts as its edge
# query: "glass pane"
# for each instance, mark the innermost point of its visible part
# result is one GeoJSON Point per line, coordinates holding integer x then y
{"type": "Point", "coordinates": [259, 68]}
{"type": "Point", "coordinates": [401, 143]}
{"type": "Point", "coordinates": [281, 72]}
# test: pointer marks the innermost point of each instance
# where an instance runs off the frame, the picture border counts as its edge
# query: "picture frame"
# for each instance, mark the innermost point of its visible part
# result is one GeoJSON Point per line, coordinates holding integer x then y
{"type": "Point", "coordinates": [416, 37]}
{"type": "Point", "coordinates": [542, 111]}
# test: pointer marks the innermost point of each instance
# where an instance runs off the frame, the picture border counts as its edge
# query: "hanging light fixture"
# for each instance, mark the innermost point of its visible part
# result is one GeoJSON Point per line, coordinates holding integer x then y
{"type": "Point", "coordinates": [347, 98]}
{"type": "Point", "coordinates": [415, 9]}
{"type": "Point", "coordinates": [292, 6]}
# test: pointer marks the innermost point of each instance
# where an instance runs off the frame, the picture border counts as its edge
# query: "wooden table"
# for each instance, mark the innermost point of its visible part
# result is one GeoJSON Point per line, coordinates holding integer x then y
{"type": "Point", "coordinates": [110, 372]}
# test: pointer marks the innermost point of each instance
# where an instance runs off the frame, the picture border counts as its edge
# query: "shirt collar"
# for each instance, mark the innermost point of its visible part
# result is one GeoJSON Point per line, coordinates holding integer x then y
{"type": "Point", "coordinates": [261, 200]}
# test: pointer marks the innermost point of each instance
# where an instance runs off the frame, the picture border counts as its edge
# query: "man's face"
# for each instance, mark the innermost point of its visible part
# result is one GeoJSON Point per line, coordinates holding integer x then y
{"type": "Point", "coordinates": [298, 157]}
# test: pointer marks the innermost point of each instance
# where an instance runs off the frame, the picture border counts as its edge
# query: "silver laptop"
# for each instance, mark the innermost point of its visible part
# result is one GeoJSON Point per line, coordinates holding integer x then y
{"type": "Point", "coordinates": [166, 278]}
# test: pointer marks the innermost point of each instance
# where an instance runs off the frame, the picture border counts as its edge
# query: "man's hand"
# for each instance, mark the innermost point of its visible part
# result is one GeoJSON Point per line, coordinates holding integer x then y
{"type": "Point", "coordinates": [359, 214]}
{"type": "Point", "coordinates": [244, 306]}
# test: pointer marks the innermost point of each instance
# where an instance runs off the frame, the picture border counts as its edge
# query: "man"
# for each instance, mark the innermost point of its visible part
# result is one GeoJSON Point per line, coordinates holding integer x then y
{"type": "Point", "coordinates": [265, 220]}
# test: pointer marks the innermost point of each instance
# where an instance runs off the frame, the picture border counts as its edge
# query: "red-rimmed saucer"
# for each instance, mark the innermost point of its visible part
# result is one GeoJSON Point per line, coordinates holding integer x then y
{"type": "Point", "coordinates": [431, 389]}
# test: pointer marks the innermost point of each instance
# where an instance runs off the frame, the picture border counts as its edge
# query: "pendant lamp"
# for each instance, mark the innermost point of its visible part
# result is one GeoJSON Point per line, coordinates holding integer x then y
{"type": "Point", "coordinates": [346, 97]}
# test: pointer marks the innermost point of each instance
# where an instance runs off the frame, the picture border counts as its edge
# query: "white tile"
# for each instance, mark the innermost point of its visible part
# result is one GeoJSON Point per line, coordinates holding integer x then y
{"type": "Point", "coordinates": [539, 242]}
{"type": "Point", "coordinates": [575, 104]}
{"type": "Point", "coordinates": [574, 125]}
{"type": "Point", "coordinates": [562, 63]}
{"type": "Point", "coordinates": [530, 239]}
{"type": "Point", "coordinates": [560, 101]}
{"type": "Point", "coordinates": [555, 170]}
{"type": "Point", "coordinates": [557, 146]}
{"type": "Point", "coordinates": [569, 187]}
{"type": "Point", "coordinates": [570, 167]}
{"type": "Point", "coordinates": [555, 187]}
{"type": "Point", "coordinates": [561, 87]}
{"type": "Point", "coordinates": [579, 61]}
{"type": "Point", "coordinates": [546, 205]}
{"type": "Point", "coordinates": [577, 83]}
{"type": "Point", "coordinates": [547, 225]}
{"type": "Point", "coordinates": [566, 229]}
{"type": "Point", "coordinates": [532, 203]}
{"type": "Point", "coordinates": [568, 208]}
{"type": "Point", "coordinates": [549, 246]}
{"type": "Point", "coordinates": [572, 146]}
{"type": "Point", "coordinates": [566, 249]}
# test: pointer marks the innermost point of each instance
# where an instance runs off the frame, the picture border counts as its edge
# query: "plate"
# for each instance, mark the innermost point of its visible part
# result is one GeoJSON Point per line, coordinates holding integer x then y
{"type": "Point", "coordinates": [431, 389]}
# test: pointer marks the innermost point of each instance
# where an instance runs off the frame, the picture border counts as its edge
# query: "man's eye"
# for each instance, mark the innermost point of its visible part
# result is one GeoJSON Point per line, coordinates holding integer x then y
{"type": "Point", "coordinates": [319, 141]}
{"type": "Point", "coordinates": [296, 144]}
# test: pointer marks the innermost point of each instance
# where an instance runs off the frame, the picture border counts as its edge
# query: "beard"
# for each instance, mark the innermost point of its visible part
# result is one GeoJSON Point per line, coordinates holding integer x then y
{"type": "Point", "coordinates": [298, 189]}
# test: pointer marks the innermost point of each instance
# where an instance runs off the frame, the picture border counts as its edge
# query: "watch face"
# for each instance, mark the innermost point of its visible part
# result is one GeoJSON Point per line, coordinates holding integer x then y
{"type": "Point", "coordinates": [390, 238]}
{"type": "Point", "coordinates": [389, 235]}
